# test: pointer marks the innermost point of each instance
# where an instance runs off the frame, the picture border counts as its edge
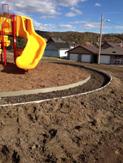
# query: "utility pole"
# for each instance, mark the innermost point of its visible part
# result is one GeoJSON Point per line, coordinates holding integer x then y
{"type": "Point", "coordinates": [100, 39]}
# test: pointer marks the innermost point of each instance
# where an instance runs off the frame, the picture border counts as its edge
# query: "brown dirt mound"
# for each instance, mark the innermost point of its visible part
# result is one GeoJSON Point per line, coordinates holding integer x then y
{"type": "Point", "coordinates": [77, 130]}
{"type": "Point", "coordinates": [85, 129]}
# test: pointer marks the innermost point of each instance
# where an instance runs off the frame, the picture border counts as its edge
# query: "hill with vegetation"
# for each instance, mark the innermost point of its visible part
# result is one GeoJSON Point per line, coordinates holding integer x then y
{"type": "Point", "coordinates": [82, 37]}
{"type": "Point", "coordinates": [77, 38]}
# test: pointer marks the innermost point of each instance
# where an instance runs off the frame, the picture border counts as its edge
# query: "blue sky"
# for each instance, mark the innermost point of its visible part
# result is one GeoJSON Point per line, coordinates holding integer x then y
{"type": "Point", "coordinates": [71, 15]}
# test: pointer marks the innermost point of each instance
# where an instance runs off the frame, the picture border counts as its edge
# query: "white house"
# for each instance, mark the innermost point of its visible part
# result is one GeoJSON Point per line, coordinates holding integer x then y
{"type": "Point", "coordinates": [56, 48]}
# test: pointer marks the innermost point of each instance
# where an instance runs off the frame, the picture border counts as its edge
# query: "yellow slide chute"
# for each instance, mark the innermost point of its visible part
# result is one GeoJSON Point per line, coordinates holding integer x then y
{"type": "Point", "coordinates": [21, 26]}
{"type": "Point", "coordinates": [33, 52]}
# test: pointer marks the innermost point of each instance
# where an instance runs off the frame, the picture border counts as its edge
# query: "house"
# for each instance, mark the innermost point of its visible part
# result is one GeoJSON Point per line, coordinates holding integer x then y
{"type": "Point", "coordinates": [83, 53]}
{"type": "Point", "coordinates": [56, 48]}
{"type": "Point", "coordinates": [111, 53]}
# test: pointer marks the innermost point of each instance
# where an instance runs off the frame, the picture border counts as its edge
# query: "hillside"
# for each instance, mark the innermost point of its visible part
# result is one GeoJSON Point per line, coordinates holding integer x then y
{"type": "Point", "coordinates": [80, 38]}
{"type": "Point", "coordinates": [72, 37]}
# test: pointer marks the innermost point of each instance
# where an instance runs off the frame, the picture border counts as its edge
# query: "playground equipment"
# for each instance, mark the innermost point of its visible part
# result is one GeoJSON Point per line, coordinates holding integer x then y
{"type": "Point", "coordinates": [20, 26]}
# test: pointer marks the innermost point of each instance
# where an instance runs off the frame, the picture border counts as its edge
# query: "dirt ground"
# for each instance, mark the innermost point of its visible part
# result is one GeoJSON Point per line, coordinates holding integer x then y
{"type": "Point", "coordinates": [45, 75]}
{"type": "Point", "coordinates": [97, 81]}
{"type": "Point", "coordinates": [85, 129]}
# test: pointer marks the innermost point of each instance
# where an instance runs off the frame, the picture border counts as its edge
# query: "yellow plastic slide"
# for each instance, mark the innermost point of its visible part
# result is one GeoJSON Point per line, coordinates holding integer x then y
{"type": "Point", "coordinates": [33, 52]}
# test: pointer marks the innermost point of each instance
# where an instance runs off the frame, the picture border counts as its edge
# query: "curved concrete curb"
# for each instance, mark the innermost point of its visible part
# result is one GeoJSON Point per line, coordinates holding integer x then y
{"type": "Point", "coordinates": [70, 96]}
{"type": "Point", "coordinates": [44, 90]}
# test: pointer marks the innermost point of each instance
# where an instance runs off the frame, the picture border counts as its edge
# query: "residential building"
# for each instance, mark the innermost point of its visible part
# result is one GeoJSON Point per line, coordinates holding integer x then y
{"type": "Point", "coordinates": [111, 54]}
{"type": "Point", "coordinates": [56, 48]}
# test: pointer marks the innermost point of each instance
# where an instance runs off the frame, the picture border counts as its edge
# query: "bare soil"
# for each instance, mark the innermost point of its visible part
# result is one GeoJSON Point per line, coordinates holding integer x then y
{"type": "Point", "coordinates": [45, 75]}
{"type": "Point", "coordinates": [97, 81]}
{"type": "Point", "coordinates": [85, 129]}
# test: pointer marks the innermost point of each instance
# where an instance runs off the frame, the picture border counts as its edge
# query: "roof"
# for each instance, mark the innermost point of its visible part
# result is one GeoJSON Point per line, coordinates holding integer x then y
{"type": "Point", "coordinates": [55, 40]}
{"type": "Point", "coordinates": [87, 48]}
{"type": "Point", "coordinates": [58, 43]}
{"type": "Point", "coordinates": [111, 49]}
{"type": "Point", "coordinates": [58, 46]}
{"type": "Point", "coordinates": [91, 48]}
{"type": "Point", "coordinates": [109, 44]}
{"type": "Point", "coordinates": [62, 45]}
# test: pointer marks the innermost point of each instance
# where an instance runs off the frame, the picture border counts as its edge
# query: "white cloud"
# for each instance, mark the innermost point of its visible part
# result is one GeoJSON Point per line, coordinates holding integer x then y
{"type": "Point", "coordinates": [66, 27]}
{"type": "Point", "coordinates": [78, 22]}
{"type": "Point", "coordinates": [51, 8]}
{"type": "Point", "coordinates": [90, 25]}
{"type": "Point", "coordinates": [114, 27]}
{"type": "Point", "coordinates": [82, 25]}
{"type": "Point", "coordinates": [43, 27]}
{"type": "Point", "coordinates": [53, 27]}
{"type": "Point", "coordinates": [73, 12]}
{"type": "Point", "coordinates": [45, 8]}
{"type": "Point", "coordinates": [70, 2]}
{"type": "Point", "coordinates": [97, 5]}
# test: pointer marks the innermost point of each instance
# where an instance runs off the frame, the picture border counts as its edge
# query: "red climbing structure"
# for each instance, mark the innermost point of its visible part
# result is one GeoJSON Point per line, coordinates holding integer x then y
{"type": "Point", "coordinates": [4, 34]}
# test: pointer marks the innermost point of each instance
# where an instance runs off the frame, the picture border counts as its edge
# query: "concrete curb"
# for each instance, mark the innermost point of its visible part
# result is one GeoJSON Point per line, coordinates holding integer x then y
{"type": "Point", "coordinates": [70, 96]}
{"type": "Point", "coordinates": [44, 90]}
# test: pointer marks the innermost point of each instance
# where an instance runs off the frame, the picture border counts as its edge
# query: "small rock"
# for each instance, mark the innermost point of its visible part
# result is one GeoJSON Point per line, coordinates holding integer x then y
{"type": "Point", "coordinates": [117, 152]}
{"type": "Point", "coordinates": [15, 157]}
{"type": "Point", "coordinates": [5, 150]}
{"type": "Point", "coordinates": [52, 133]}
